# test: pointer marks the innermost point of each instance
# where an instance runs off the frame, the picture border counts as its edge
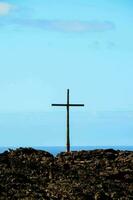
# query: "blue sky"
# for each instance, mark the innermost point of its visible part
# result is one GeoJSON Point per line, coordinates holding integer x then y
{"type": "Point", "coordinates": [49, 46]}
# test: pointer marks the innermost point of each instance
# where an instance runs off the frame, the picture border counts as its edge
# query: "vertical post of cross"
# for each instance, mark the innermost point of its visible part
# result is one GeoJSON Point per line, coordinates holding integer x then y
{"type": "Point", "coordinates": [68, 129]}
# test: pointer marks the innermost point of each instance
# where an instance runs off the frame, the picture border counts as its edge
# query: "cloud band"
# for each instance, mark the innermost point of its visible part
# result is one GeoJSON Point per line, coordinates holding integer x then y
{"type": "Point", "coordinates": [66, 26]}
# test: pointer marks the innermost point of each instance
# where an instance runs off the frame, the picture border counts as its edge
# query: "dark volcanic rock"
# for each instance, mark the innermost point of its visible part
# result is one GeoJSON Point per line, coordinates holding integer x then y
{"type": "Point", "coordinates": [24, 173]}
{"type": "Point", "coordinates": [29, 174]}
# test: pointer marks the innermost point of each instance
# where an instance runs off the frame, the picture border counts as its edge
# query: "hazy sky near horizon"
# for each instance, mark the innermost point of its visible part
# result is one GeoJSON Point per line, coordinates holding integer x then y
{"type": "Point", "coordinates": [47, 46]}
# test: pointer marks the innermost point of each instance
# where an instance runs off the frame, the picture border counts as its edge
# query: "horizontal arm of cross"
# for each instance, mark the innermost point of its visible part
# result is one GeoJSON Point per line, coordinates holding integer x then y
{"type": "Point", "coordinates": [67, 104]}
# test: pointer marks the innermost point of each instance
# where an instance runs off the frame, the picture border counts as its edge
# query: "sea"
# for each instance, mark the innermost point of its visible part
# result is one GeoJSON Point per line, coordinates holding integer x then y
{"type": "Point", "coordinates": [57, 149]}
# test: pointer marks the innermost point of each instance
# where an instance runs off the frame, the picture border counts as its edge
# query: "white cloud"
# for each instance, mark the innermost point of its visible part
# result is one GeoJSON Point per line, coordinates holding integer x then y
{"type": "Point", "coordinates": [5, 8]}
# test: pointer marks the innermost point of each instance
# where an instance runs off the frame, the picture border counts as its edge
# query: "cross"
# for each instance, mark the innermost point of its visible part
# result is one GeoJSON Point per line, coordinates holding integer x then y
{"type": "Point", "coordinates": [68, 105]}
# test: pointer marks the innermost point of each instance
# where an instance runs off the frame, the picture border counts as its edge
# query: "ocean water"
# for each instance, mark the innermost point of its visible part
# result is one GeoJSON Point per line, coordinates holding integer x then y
{"type": "Point", "coordinates": [57, 149]}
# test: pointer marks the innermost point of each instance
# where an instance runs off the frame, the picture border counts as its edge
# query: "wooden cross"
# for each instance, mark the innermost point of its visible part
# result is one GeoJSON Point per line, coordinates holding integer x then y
{"type": "Point", "coordinates": [68, 105]}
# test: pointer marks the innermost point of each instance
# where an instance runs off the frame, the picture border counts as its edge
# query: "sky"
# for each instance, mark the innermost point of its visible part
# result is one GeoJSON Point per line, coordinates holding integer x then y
{"type": "Point", "coordinates": [47, 46]}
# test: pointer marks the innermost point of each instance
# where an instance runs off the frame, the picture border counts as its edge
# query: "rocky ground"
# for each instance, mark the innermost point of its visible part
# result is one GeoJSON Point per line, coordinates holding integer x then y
{"type": "Point", "coordinates": [29, 174]}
